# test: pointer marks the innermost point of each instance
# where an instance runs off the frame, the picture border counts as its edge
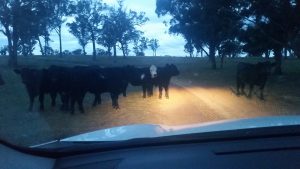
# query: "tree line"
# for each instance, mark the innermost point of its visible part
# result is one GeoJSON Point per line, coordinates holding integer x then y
{"type": "Point", "coordinates": [230, 28]}
{"type": "Point", "coordinates": [29, 23]}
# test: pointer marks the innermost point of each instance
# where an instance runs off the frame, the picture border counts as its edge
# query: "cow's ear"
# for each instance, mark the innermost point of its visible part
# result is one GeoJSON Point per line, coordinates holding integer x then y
{"type": "Point", "coordinates": [17, 71]}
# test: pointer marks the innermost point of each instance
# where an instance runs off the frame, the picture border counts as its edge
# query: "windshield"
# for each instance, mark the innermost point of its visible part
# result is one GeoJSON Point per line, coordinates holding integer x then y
{"type": "Point", "coordinates": [69, 67]}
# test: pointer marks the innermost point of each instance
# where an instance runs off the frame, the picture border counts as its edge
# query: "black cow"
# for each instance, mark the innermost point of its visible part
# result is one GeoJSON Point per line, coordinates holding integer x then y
{"type": "Point", "coordinates": [116, 82]}
{"type": "Point", "coordinates": [59, 78]}
{"type": "Point", "coordinates": [1, 81]}
{"type": "Point", "coordinates": [84, 79]}
{"type": "Point", "coordinates": [73, 83]}
{"type": "Point", "coordinates": [36, 84]}
{"type": "Point", "coordinates": [164, 75]}
{"type": "Point", "coordinates": [143, 77]}
{"type": "Point", "coordinates": [252, 74]}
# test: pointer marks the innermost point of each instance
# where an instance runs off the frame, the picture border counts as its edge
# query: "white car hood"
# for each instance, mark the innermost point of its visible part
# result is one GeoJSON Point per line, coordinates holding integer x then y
{"type": "Point", "coordinates": [151, 130]}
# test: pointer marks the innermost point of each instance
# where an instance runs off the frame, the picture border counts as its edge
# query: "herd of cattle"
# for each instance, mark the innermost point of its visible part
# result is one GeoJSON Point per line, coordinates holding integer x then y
{"type": "Point", "coordinates": [72, 83]}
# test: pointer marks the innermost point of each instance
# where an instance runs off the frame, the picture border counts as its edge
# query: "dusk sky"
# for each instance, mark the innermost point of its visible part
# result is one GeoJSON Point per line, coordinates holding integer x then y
{"type": "Point", "coordinates": [154, 28]}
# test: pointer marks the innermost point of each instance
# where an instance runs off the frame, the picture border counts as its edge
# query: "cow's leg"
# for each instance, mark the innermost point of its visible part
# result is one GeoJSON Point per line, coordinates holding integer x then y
{"type": "Point", "coordinates": [96, 100]}
{"type": "Point", "coordinates": [238, 85]}
{"type": "Point", "coordinates": [124, 90]}
{"type": "Point", "coordinates": [149, 90]}
{"type": "Point", "coordinates": [144, 91]}
{"type": "Point", "coordinates": [243, 88]}
{"type": "Point", "coordinates": [72, 105]}
{"type": "Point", "coordinates": [250, 90]}
{"type": "Point", "coordinates": [167, 91]}
{"type": "Point", "coordinates": [67, 101]}
{"type": "Point", "coordinates": [99, 99]}
{"type": "Point", "coordinates": [116, 102]}
{"type": "Point", "coordinates": [262, 92]}
{"type": "Point", "coordinates": [41, 99]}
{"type": "Point", "coordinates": [53, 99]}
{"type": "Point", "coordinates": [160, 88]}
{"type": "Point", "coordinates": [114, 99]}
{"type": "Point", "coordinates": [63, 101]}
{"type": "Point", "coordinates": [80, 103]}
{"type": "Point", "coordinates": [31, 100]}
{"type": "Point", "coordinates": [112, 96]}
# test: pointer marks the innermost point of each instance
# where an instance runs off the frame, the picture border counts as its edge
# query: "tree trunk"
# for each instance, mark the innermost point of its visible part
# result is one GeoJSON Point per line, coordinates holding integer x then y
{"type": "Point", "coordinates": [41, 46]}
{"type": "Point", "coordinates": [83, 50]}
{"type": "Point", "coordinates": [23, 50]}
{"type": "Point", "coordinates": [109, 51]}
{"type": "Point", "coordinates": [267, 54]}
{"type": "Point", "coordinates": [222, 61]}
{"type": "Point", "coordinates": [31, 54]}
{"type": "Point", "coordinates": [123, 50]}
{"type": "Point", "coordinates": [45, 46]}
{"type": "Point", "coordinates": [285, 53]}
{"type": "Point", "coordinates": [9, 42]}
{"type": "Point", "coordinates": [94, 46]}
{"type": "Point", "coordinates": [278, 60]}
{"type": "Point", "coordinates": [13, 58]}
{"type": "Point", "coordinates": [115, 50]}
{"type": "Point", "coordinates": [60, 42]}
{"type": "Point", "coordinates": [212, 55]}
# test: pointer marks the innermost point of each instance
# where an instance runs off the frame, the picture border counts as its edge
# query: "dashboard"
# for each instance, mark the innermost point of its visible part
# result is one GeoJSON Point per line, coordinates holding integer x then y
{"type": "Point", "coordinates": [275, 151]}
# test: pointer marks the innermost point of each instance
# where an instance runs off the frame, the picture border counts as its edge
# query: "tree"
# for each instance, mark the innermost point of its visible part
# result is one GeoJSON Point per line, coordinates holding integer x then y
{"type": "Point", "coordinates": [127, 22]}
{"type": "Point", "coordinates": [279, 23]}
{"type": "Point", "coordinates": [27, 48]}
{"type": "Point", "coordinates": [120, 27]}
{"type": "Point", "coordinates": [108, 37]}
{"type": "Point", "coordinates": [203, 22]}
{"type": "Point", "coordinates": [61, 11]}
{"type": "Point", "coordinates": [295, 46]}
{"type": "Point", "coordinates": [189, 48]}
{"type": "Point", "coordinates": [47, 24]}
{"type": "Point", "coordinates": [229, 48]}
{"type": "Point", "coordinates": [140, 46]}
{"type": "Point", "coordinates": [20, 19]}
{"type": "Point", "coordinates": [79, 29]}
{"type": "Point", "coordinates": [88, 15]}
{"type": "Point", "coordinates": [154, 45]}
{"type": "Point", "coordinates": [3, 50]}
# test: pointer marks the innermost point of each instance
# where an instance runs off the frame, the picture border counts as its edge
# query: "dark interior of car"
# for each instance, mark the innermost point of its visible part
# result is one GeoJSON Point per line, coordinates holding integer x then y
{"type": "Point", "coordinates": [271, 147]}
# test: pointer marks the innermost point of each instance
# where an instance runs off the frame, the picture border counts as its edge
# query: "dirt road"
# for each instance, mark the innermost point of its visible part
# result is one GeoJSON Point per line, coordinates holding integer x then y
{"type": "Point", "coordinates": [189, 103]}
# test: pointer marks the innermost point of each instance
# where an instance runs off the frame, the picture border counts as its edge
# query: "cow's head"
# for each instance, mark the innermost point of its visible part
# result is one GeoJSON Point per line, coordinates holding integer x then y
{"type": "Point", "coordinates": [28, 75]}
{"type": "Point", "coordinates": [153, 71]}
{"type": "Point", "coordinates": [1, 81]}
{"type": "Point", "coordinates": [172, 70]}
